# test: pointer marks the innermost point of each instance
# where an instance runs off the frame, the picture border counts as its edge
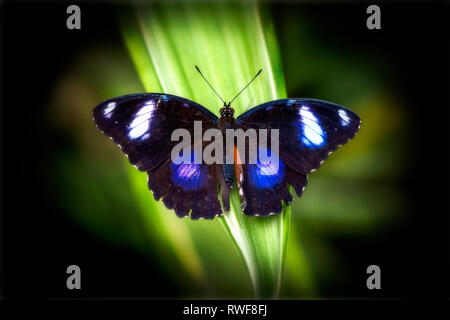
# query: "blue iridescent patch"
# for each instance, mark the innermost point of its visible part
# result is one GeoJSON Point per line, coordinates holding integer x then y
{"type": "Point", "coordinates": [266, 173]}
{"type": "Point", "coordinates": [187, 175]}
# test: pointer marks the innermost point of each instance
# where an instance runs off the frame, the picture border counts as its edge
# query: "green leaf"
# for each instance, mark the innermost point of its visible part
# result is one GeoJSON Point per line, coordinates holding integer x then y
{"type": "Point", "coordinates": [230, 42]}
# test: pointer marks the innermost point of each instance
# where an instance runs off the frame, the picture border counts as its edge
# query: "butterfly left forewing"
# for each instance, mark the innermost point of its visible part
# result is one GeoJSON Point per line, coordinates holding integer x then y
{"type": "Point", "coordinates": [142, 124]}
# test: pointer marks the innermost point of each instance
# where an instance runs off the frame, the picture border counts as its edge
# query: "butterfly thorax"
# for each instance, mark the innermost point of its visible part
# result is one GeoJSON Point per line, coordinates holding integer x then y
{"type": "Point", "coordinates": [226, 112]}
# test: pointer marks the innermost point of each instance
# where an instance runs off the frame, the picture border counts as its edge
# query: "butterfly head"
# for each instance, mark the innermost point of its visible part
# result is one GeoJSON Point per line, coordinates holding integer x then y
{"type": "Point", "coordinates": [226, 111]}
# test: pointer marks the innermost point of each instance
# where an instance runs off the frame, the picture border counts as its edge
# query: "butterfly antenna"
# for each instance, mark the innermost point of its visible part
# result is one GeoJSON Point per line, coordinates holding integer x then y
{"type": "Point", "coordinates": [209, 84]}
{"type": "Point", "coordinates": [246, 85]}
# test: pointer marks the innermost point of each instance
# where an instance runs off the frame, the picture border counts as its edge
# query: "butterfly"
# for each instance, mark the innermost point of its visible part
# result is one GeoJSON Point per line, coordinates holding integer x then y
{"type": "Point", "coordinates": [142, 125]}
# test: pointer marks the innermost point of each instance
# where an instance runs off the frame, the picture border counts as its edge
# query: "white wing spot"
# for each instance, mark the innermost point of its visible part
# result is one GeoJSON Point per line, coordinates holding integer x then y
{"type": "Point", "coordinates": [141, 122]}
{"type": "Point", "coordinates": [311, 128]}
{"type": "Point", "coordinates": [345, 119]}
{"type": "Point", "coordinates": [108, 111]}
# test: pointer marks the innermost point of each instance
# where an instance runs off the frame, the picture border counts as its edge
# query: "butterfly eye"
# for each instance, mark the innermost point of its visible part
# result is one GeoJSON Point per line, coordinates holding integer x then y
{"type": "Point", "coordinates": [224, 112]}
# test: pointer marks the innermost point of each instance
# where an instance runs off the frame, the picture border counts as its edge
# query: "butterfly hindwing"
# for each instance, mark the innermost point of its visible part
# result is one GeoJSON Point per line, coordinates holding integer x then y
{"type": "Point", "coordinates": [265, 185]}
{"type": "Point", "coordinates": [142, 126]}
{"type": "Point", "coordinates": [187, 186]}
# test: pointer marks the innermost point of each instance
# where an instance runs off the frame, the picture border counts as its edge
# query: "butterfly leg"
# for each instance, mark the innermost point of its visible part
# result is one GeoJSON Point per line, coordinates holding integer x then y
{"type": "Point", "coordinates": [239, 178]}
{"type": "Point", "coordinates": [224, 190]}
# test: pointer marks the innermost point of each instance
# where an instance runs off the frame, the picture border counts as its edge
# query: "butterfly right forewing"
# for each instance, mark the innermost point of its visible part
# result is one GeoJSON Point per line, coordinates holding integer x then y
{"type": "Point", "coordinates": [309, 129]}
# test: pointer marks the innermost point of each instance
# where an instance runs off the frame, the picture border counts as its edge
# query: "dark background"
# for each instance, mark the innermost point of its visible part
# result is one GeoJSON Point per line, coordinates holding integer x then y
{"type": "Point", "coordinates": [39, 242]}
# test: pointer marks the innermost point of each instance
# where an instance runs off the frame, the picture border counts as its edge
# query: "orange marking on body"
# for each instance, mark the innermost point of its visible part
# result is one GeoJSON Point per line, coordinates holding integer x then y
{"type": "Point", "coordinates": [238, 166]}
{"type": "Point", "coordinates": [239, 178]}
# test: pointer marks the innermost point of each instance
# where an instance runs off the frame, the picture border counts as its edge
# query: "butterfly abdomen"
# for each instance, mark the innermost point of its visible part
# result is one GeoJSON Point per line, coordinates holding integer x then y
{"type": "Point", "coordinates": [228, 173]}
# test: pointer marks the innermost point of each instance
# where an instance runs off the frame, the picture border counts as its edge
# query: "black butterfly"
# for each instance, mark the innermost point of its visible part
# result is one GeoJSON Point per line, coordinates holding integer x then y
{"type": "Point", "coordinates": [142, 125]}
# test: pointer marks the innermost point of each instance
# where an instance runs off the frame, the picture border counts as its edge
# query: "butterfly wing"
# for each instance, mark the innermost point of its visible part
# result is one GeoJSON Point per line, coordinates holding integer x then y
{"type": "Point", "coordinates": [187, 187]}
{"type": "Point", "coordinates": [142, 125]}
{"type": "Point", "coordinates": [309, 130]}
{"type": "Point", "coordinates": [265, 185]}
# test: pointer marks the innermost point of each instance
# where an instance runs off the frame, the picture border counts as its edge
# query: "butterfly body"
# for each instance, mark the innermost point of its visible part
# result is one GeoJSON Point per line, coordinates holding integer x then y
{"type": "Point", "coordinates": [309, 130]}
{"type": "Point", "coordinates": [227, 122]}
